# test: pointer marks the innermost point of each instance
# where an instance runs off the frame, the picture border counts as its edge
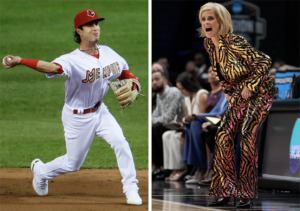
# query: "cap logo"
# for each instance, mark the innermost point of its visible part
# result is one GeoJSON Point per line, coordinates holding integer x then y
{"type": "Point", "coordinates": [90, 13]}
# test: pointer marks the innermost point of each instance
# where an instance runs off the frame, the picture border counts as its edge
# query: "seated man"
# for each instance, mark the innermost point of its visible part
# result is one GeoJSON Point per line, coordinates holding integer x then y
{"type": "Point", "coordinates": [169, 107]}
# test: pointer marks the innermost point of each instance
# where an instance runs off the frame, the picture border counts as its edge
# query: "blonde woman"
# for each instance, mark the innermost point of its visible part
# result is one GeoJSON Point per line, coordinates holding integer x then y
{"type": "Point", "coordinates": [243, 75]}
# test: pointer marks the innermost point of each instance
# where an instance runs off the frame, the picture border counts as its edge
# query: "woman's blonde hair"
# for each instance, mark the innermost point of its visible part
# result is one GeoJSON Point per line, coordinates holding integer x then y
{"type": "Point", "coordinates": [222, 14]}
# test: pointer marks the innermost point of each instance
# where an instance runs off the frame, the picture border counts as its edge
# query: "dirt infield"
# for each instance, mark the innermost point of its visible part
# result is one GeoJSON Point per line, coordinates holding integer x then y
{"type": "Point", "coordinates": [87, 189]}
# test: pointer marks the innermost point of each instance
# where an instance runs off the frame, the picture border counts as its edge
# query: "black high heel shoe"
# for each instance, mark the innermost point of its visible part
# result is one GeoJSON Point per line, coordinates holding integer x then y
{"type": "Point", "coordinates": [220, 202]}
{"type": "Point", "coordinates": [244, 203]}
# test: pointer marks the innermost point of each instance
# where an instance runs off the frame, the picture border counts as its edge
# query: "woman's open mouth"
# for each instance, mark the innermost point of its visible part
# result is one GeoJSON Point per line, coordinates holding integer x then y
{"type": "Point", "coordinates": [208, 29]}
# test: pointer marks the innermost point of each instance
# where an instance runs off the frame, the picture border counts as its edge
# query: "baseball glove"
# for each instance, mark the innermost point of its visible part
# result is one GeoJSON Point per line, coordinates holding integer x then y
{"type": "Point", "coordinates": [126, 90]}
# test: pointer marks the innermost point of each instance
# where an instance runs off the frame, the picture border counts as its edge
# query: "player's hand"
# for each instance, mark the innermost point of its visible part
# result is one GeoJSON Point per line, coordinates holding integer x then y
{"type": "Point", "coordinates": [246, 93]}
{"type": "Point", "coordinates": [10, 61]}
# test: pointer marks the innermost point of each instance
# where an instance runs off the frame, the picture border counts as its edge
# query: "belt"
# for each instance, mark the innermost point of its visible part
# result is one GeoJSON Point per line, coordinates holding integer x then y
{"type": "Point", "coordinates": [88, 110]}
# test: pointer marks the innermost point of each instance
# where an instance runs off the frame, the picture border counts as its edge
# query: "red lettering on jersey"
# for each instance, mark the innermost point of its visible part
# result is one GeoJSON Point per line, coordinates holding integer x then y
{"type": "Point", "coordinates": [97, 73]}
{"type": "Point", "coordinates": [90, 76]}
{"type": "Point", "coordinates": [106, 72]}
{"type": "Point", "coordinates": [113, 68]}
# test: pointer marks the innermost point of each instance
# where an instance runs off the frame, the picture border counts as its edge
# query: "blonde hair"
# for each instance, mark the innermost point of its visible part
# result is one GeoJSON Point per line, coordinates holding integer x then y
{"type": "Point", "coordinates": [222, 14]}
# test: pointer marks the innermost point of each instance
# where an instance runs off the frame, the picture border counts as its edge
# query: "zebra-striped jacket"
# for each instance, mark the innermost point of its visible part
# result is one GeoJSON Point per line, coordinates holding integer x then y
{"type": "Point", "coordinates": [240, 64]}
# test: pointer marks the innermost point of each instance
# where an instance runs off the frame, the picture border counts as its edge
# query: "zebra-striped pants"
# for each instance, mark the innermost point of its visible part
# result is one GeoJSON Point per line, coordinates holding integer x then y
{"type": "Point", "coordinates": [246, 115]}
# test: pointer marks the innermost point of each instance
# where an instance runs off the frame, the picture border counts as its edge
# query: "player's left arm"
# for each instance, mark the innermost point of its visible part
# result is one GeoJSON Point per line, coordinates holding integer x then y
{"type": "Point", "coordinates": [11, 61]}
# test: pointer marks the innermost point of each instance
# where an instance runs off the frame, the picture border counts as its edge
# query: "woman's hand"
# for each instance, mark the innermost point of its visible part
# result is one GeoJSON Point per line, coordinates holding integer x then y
{"type": "Point", "coordinates": [246, 93]}
{"type": "Point", "coordinates": [187, 120]}
{"type": "Point", "coordinates": [227, 96]}
{"type": "Point", "coordinates": [205, 125]}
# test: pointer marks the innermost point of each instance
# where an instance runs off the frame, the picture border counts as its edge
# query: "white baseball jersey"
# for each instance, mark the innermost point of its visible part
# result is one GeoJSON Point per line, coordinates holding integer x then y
{"type": "Point", "coordinates": [87, 83]}
{"type": "Point", "coordinates": [87, 76]}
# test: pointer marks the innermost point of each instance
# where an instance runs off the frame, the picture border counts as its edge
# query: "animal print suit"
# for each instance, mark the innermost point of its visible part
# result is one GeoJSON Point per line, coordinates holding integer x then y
{"type": "Point", "coordinates": [240, 65]}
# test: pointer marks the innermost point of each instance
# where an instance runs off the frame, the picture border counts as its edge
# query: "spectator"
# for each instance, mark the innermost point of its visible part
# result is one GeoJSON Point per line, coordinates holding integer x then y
{"type": "Point", "coordinates": [201, 70]}
{"type": "Point", "coordinates": [164, 61]}
{"type": "Point", "coordinates": [277, 64]}
{"type": "Point", "coordinates": [272, 73]}
{"type": "Point", "coordinates": [169, 106]}
{"type": "Point", "coordinates": [216, 91]}
{"type": "Point", "coordinates": [213, 98]}
{"type": "Point", "coordinates": [171, 74]}
{"type": "Point", "coordinates": [173, 140]}
{"type": "Point", "coordinates": [191, 67]}
{"type": "Point", "coordinates": [281, 65]}
{"type": "Point", "coordinates": [208, 135]}
{"type": "Point", "coordinates": [162, 68]}
{"type": "Point", "coordinates": [157, 66]}
{"type": "Point", "coordinates": [194, 149]}
{"type": "Point", "coordinates": [193, 136]}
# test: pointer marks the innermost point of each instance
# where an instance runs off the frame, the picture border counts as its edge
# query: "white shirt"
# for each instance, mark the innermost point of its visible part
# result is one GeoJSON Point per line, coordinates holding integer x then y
{"type": "Point", "coordinates": [88, 77]}
{"type": "Point", "coordinates": [193, 106]}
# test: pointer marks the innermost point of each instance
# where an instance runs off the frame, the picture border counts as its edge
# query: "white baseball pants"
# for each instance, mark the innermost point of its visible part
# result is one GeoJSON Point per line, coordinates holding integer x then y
{"type": "Point", "coordinates": [80, 131]}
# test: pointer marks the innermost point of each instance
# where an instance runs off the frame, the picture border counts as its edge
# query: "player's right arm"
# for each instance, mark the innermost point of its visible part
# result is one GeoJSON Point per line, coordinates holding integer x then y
{"type": "Point", "coordinates": [39, 65]}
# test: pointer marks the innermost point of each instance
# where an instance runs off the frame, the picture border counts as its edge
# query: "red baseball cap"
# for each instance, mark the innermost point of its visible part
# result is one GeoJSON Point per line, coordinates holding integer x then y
{"type": "Point", "coordinates": [86, 16]}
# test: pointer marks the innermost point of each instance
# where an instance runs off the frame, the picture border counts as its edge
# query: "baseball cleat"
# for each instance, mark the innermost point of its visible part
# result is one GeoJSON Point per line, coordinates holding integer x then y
{"type": "Point", "coordinates": [39, 185]}
{"type": "Point", "coordinates": [133, 198]}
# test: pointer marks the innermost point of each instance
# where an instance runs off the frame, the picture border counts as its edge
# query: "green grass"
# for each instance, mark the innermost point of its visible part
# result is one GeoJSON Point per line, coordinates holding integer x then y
{"type": "Point", "coordinates": [31, 104]}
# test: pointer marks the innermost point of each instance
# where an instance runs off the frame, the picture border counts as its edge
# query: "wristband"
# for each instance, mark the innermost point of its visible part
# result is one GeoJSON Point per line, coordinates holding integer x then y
{"type": "Point", "coordinates": [126, 74]}
{"type": "Point", "coordinates": [32, 63]}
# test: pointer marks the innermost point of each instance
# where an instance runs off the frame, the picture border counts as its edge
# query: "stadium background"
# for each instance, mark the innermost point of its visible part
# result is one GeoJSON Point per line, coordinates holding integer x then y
{"type": "Point", "coordinates": [175, 36]}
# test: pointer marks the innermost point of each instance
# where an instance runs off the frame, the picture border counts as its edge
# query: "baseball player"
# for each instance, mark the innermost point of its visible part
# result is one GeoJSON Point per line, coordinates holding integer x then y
{"type": "Point", "coordinates": [88, 70]}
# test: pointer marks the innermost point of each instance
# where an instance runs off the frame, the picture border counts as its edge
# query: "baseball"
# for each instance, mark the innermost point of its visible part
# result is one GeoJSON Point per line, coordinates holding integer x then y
{"type": "Point", "coordinates": [3, 61]}
{"type": "Point", "coordinates": [8, 59]}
